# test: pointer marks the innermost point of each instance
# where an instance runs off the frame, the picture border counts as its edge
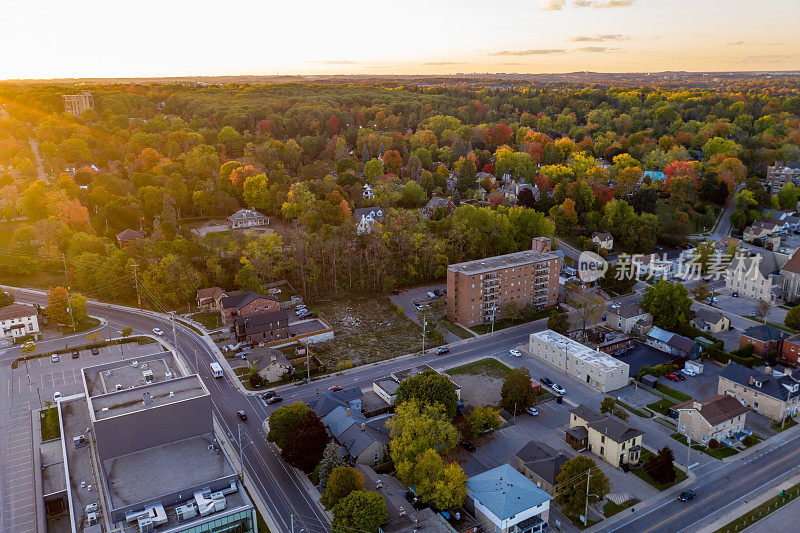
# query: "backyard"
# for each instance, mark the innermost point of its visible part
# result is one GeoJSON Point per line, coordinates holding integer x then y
{"type": "Point", "coordinates": [480, 381]}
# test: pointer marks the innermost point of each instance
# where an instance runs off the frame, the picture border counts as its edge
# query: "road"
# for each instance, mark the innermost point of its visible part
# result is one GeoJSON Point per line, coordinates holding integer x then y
{"type": "Point", "coordinates": [723, 228]}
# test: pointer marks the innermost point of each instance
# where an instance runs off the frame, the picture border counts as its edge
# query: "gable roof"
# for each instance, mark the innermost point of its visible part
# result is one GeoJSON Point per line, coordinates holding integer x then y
{"type": "Point", "coordinates": [542, 460]}
{"type": "Point", "coordinates": [602, 236]}
{"type": "Point", "coordinates": [709, 316]}
{"type": "Point", "coordinates": [505, 492]}
{"type": "Point", "coordinates": [793, 264]}
{"type": "Point", "coordinates": [585, 412]}
{"type": "Point", "coordinates": [627, 311]}
{"type": "Point", "coordinates": [769, 263]}
{"type": "Point", "coordinates": [324, 404]}
{"type": "Point", "coordinates": [242, 299]}
{"type": "Point", "coordinates": [130, 235]}
{"type": "Point", "coordinates": [352, 431]}
{"type": "Point", "coordinates": [12, 311]}
{"type": "Point", "coordinates": [262, 318]}
{"type": "Point", "coordinates": [247, 214]}
{"type": "Point", "coordinates": [765, 333]}
{"type": "Point", "coordinates": [209, 292]}
{"type": "Point", "coordinates": [681, 343]}
{"type": "Point", "coordinates": [375, 213]}
{"type": "Point", "coordinates": [776, 384]}
{"type": "Point", "coordinates": [659, 334]}
{"type": "Point", "coordinates": [615, 429]}
{"type": "Point", "coordinates": [715, 409]}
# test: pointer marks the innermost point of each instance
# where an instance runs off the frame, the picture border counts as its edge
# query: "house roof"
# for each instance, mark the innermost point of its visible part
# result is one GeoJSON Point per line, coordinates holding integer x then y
{"type": "Point", "coordinates": [681, 343]}
{"type": "Point", "coordinates": [709, 315]}
{"type": "Point", "coordinates": [603, 236]}
{"type": "Point", "coordinates": [775, 384]}
{"type": "Point", "coordinates": [769, 263]}
{"type": "Point", "coordinates": [12, 311]}
{"type": "Point", "coordinates": [376, 213]}
{"type": "Point", "coordinates": [586, 412]}
{"type": "Point", "coordinates": [130, 235]}
{"type": "Point", "coordinates": [439, 201]}
{"type": "Point", "coordinates": [352, 431]}
{"type": "Point", "coordinates": [324, 404]}
{"type": "Point", "coordinates": [505, 492]}
{"type": "Point", "coordinates": [627, 311]}
{"type": "Point", "coordinates": [542, 460]}
{"type": "Point", "coordinates": [715, 409]}
{"type": "Point", "coordinates": [659, 334]}
{"type": "Point", "coordinates": [389, 385]}
{"type": "Point", "coordinates": [793, 264]}
{"type": "Point", "coordinates": [615, 429]}
{"type": "Point", "coordinates": [209, 292]}
{"type": "Point", "coordinates": [243, 298]}
{"type": "Point", "coordinates": [765, 333]}
{"type": "Point", "coordinates": [262, 318]}
{"type": "Point", "coordinates": [247, 214]}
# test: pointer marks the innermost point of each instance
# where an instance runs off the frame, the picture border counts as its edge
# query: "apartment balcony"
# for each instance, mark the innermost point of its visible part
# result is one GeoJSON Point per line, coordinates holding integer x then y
{"type": "Point", "coordinates": [491, 282]}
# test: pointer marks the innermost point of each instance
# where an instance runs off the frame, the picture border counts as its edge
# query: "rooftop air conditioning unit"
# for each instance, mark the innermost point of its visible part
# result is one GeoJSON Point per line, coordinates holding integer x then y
{"type": "Point", "coordinates": [145, 524]}
{"type": "Point", "coordinates": [119, 386]}
{"type": "Point", "coordinates": [92, 518]}
{"type": "Point", "coordinates": [135, 364]}
{"type": "Point", "coordinates": [168, 375]}
{"type": "Point", "coordinates": [144, 366]}
{"type": "Point", "coordinates": [186, 512]}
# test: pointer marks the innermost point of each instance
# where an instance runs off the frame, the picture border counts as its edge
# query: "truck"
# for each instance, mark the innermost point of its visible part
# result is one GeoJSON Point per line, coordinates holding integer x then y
{"type": "Point", "coordinates": [693, 366]}
{"type": "Point", "coordinates": [216, 370]}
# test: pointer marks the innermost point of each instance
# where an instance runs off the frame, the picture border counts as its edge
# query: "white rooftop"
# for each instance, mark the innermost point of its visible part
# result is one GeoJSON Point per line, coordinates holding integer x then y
{"type": "Point", "coordinates": [580, 351]}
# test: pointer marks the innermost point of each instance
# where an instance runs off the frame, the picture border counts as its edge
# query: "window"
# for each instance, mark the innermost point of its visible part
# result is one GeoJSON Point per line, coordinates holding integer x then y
{"type": "Point", "coordinates": [602, 450]}
{"type": "Point", "coordinates": [755, 405]}
{"type": "Point", "coordinates": [683, 427]}
{"type": "Point", "coordinates": [602, 438]}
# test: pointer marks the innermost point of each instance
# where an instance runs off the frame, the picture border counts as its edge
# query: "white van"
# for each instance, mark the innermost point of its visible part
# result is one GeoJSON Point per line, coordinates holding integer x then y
{"type": "Point", "coordinates": [216, 370]}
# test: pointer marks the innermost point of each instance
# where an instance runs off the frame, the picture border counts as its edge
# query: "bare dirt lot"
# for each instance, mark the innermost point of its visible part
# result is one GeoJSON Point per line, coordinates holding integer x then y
{"type": "Point", "coordinates": [480, 381]}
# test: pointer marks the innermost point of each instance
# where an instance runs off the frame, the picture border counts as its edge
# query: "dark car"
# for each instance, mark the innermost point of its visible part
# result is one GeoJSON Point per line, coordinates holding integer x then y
{"type": "Point", "coordinates": [76, 354]}
{"type": "Point", "coordinates": [95, 351]}
{"type": "Point", "coordinates": [267, 395]}
{"type": "Point", "coordinates": [686, 496]}
{"type": "Point", "coordinates": [547, 381]}
{"type": "Point", "coordinates": [468, 446]}
{"type": "Point", "coordinates": [438, 292]}
{"type": "Point", "coordinates": [242, 415]}
{"type": "Point", "coordinates": [442, 350]}
{"type": "Point", "coordinates": [274, 399]}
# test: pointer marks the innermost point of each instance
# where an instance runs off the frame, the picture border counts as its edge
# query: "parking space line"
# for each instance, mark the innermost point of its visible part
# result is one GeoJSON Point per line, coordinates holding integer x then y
{"type": "Point", "coordinates": [30, 497]}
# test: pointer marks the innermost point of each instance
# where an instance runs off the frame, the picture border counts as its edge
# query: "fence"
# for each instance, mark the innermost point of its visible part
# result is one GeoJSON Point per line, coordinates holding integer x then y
{"type": "Point", "coordinates": [762, 511]}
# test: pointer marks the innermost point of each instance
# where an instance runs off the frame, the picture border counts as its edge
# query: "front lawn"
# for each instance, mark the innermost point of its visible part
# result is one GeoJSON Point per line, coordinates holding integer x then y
{"type": "Point", "coordinates": [642, 474]}
{"type": "Point", "coordinates": [721, 452]}
{"type": "Point", "coordinates": [49, 423]}
{"type": "Point", "coordinates": [485, 367]}
{"type": "Point", "coordinates": [611, 508]}
{"type": "Point", "coordinates": [211, 320]}
{"type": "Point", "coordinates": [790, 422]}
{"type": "Point", "coordinates": [503, 323]}
{"type": "Point", "coordinates": [661, 405]}
{"type": "Point", "coordinates": [678, 395]}
{"type": "Point", "coordinates": [455, 329]}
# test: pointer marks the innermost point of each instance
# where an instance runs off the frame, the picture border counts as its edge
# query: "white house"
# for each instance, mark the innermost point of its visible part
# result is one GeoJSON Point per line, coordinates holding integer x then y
{"type": "Point", "coordinates": [505, 501]}
{"type": "Point", "coordinates": [247, 218]}
{"type": "Point", "coordinates": [18, 320]}
{"type": "Point", "coordinates": [368, 193]}
{"type": "Point", "coordinates": [603, 239]}
{"type": "Point", "coordinates": [366, 217]}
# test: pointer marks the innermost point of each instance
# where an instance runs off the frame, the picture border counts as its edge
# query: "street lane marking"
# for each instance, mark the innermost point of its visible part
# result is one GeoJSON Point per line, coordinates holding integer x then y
{"type": "Point", "coordinates": [681, 512]}
{"type": "Point", "coordinates": [778, 461]}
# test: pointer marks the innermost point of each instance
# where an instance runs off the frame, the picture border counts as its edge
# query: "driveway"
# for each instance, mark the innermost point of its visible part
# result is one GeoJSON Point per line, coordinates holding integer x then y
{"type": "Point", "coordinates": [405, 300]}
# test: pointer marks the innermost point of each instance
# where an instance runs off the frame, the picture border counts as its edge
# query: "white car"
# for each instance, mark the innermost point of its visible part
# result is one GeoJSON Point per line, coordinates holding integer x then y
{"type": "Point", "coordinates": [56, 396]}
{"type": "Point", "coordinates": [54, 358]}
{"type": "Point", "coordinates": [532, 411]}
{"type": "Point", "coordinates": [27, 344]}
{"type": "Point", "coordinates": [158, 332]}
{"type": "Point", "coordinates": [559, 389]}
{"type": "Point", "coordinates": [687, 372]}
{"type": "Point", "coordinates": [515, 352]}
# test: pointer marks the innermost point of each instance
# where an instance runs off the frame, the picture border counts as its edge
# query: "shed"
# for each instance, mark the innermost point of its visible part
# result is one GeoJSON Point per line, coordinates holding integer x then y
{"type": "Point", "coordinates": [650, 381]}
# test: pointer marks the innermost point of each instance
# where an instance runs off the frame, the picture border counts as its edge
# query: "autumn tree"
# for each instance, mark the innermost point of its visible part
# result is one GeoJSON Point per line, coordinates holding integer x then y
{"type": "Point", "coordinates": [416, 427]}
{"type": "Point", "coordinates": [480, 420]}
{"type": "Point", "coordinates": [571, 484]}
{"type": "Point", "coordinates": [660, 467]}
{"type": "Point", "coordinates": [342, 481]}
{"type": "Point", "coordinates": [58, 305]}
{"type": "Point", "coordinates": [429, 388]}
{"type": "Point", "coordinates": [439, 484]}
{"type": "Point", "coordinates": [668, 303]}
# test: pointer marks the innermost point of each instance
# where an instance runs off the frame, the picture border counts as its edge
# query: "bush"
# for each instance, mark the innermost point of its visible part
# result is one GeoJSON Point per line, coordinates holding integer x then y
{"type": "Point", "coordinates": [713, 444]}
{"type": "Point", "coordinates": [749, 440]}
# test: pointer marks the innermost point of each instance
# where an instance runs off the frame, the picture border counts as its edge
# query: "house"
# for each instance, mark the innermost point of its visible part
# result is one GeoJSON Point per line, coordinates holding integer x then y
{"type": "Point", "coordinates": [790, 351]}
{"type": "Point", "coordinates": [324, 403]}
{"type": "Point", "coordinates": [755, 276]}
{"type": "Point", "coordinates": [209, 298]}
{"type": "Point", "coordinates": [764, 339]}
{"type": "Point", "coordinates": [386, 389]}
{"type": "Point", "coordinates": [774, 393]}
{"type": "Point", "coordinates": [540, 463]}
{"type": "Point", "coordinates": [129, 236]}
{"type": "Point", "coordinates": [504, 501]}
{"type": "Point", "coordinates": [18, 320]}
{"type": "Point", "coordinates": [368, 192]}
{"type": "Point", "coordinates": [650, 266]}
{"type": "Point", "coordinates": [511, 191]}
{"type": "Point", "coordinates": [789, 279]}
{"type": "Point", "coordinates": [625, 316]}
{"type": "Point", "coordinates": [714, 418]}
{"type": "Point", "coordinates": [606, 436]}
{"type": "Point", "coordinates": [672, 343]}
{"type": "Point", "coordinates": [365, 442]}
{"type": "Point", "coordinates": [366, 218]}
{"type": "Point", "coordinates": [436, 202]}
{"type": "Point", "coordinates": [247, 218]}
{"type": "Point", "coordinates": [710, 321]}
{"type": "Point", "coordinates": [603, 240]}
{"type": "Point", "coordinates": [244, 304]}
{"type": "Point", "coordinates": [263, 327]}
{"type": "Point", "coordinates": [272, 363]}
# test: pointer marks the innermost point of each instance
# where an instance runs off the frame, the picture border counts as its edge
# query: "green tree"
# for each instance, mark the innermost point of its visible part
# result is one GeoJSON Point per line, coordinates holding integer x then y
{"type": "Point", "coordinates": [482, 419]}
{"type": "Point", "coordinates": [467, 176]}
{"type": "Point", "coordinates": [77, 306]}
{"type": "Point", "coordinates": [429, 388]}
{"type": "Point", "coordinates": [361, 510]}
{"type": "Point", "coordinates": [443, 486]}
{"type": "Point", "coordinates": [558, 321]}
{"type": "Point", "coordinates": [126, 331]}
{"type": "Point", "coordinates": [342, 481]}
{"type": "Point", "coordinates": [331, 459]}
{"type": "Point", "coordinates": [306, 443]}
{"type": "Point", "coordinates": [282, 422]}
{"type": "Point", "coordinates": [788, 196]}
{"type": "Point", "coordinates": [416, 427]}
{"type": "Point", "coordinates": [668, 302]}
{"type": "Point", "coordinates": [517, 392]}
{"type": "Point", "coordinates": [792, 319]}
{"type": "Point", "coordinates": [571, 484]}
{"type": "Point", "coordinates": [173, 280]}
{"type": "Point", "coordinates": [412, 195]}
{"type": "Point", "coordinates": [607, 405]}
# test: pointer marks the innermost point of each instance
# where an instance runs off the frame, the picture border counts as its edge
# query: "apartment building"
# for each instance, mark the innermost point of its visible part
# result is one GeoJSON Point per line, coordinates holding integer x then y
{"type": "Point", "coordinates": [755, 276]}
{"type": "Point", "coordinates": [76, 104]}
{"type": "Point", "coordinates": [782, 173]}
{"type": "Point", "coordinates": [772, 392]}
{"type": "Point", "coordinates": [478, 290]}
{"type": "Point", "coordinates": [598, 369]}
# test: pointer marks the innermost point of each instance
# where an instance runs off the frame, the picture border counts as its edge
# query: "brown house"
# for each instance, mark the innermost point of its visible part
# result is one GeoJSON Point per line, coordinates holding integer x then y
{"type": "Point", "coordinates": [764, 339]}
{"type": "Point", "coordinates": [210, 297]}
{"type": "Point", "coordinates": [264, 327]}
{"type": "Point", "coordinates": [790, 351]}
{"type": "Point", "coordinates": [129, 236]}
{"type": "Point", "coordinates": [245, 304]}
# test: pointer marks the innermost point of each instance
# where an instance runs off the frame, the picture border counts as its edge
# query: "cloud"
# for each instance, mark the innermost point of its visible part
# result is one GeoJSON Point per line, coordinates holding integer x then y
{"type": "Point", "coordinates": [598, 38]}
{"type": "Point", "coordinates": [536, 52]}
{"type": "Point", "coordinates": [602, 4]}
{"type": "Point", "coordinates": [735, 43]}
{"type": "Point", "coordinates": [595, 49]}
{"type": "Point", "coordinates": [439, 63]}
{"type": "Point", "coordinates": [335, 62]}
{"type": "Point", "coordinates": [553, 5]}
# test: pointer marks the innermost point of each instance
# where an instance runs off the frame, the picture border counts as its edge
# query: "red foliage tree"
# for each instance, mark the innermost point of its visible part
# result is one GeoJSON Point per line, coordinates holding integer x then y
{"type": "Point", "coordinates": [333, 122]}
{"type": "Point", "coordinates": [266, 126]}
{"type": "Point", "coordinates": [499, 134]}
{"type": "Point", "coordinates": [393, 161]}
{"type": "Point", "coordinates": [488, 167]}
{"type": "Point", "coordinates": [238, 175]}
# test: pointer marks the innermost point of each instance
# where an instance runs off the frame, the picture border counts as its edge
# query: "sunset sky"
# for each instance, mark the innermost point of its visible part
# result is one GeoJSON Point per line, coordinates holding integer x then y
{"type": "Point", "coordinates": [88, 38]}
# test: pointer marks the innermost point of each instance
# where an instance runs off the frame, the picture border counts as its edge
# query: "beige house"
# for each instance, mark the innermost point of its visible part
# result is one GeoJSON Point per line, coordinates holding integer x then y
{"type": "Point", "coordinates": [717, 418]}
{"type": "Point", "coordinates": [625, 317]}
{"type": "Point", "coordinates": [753, 276]}
{"type": "Point", "coordinates": [604, 435]}
{"type": "Point", "coordinates": [603, 240]}
{"type": "Point", "coordinates": [594, 367]}
{"type": "Point", "coordinates": [210, 297]}
{"type": "Point", "coordinates": [710, 321]}
{"type": "Point", "coordinates": [773, 393]}
{"type": "Point", "coordinates": [540, 463]}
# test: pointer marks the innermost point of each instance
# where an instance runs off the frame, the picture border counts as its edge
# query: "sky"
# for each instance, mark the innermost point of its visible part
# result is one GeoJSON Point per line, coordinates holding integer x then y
{"type": "Point", "coordinates": [148, 38]}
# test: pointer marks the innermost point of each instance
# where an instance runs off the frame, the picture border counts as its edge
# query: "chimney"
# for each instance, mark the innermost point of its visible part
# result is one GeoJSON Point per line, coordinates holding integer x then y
{"type": "Point", "coordinates": [697, 405]}
{"type": "Point", "coordinates": [560, 451]}
{"type": "Point", "coordinates": [363, 426]}
{"type": "Point", "coordinates": [767, 370]}
{"type": "Point", "coordinates": [788, 371]}
{"type": "Point", "coordinates": [348, 409]}
{"type": "Point", "coordinates": [752, 380]}
{"type": "Point", "coordinates": [148, 398]}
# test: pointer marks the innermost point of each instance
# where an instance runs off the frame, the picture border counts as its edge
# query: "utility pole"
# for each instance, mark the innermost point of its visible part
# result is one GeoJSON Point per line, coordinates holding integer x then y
{"type": "Point", "coordinates": [136, 282]}
{"type": "Point", "coordinates": [688, 451]}
{"type": "Point", "coordinates": [308, 363]}
{"type": "Point", "coordinates": [241, 449]}
{"type": "Point", "coordinates": [424, 326]}
{"type": "Point", "coordinates": [71, 315]}
{"type": "Point", "coordinates": [586, 512]}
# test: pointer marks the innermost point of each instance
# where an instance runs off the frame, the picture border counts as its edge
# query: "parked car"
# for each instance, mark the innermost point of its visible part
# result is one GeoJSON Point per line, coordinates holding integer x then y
{"type": "Point", "coordinates": [547, 381]}
{"type": "Point", "coordinates": [54, 358]}
{"type": "Point", "coordinates": [300, 306]}
{"type": "Point", "coordinates": [274, 399]}
{"type": "Point", "coordinates": [267, 395]}
{"type": "Point", "coordinates": [558, 388]}
{"type": "Point", "coordinates": [752, 314]}
{"type": "Point", "coordinates": [672, 377]}
{"type": "Point", "coordinates": [442, 350]}
{"type": "Point", "coordinates": [95, 351]}
{"type": "Point", "coordinates": [333, 388]}
{"type": "Point", "coordinates": [438, 292]}
{"type": "Point", "coordinates": [56, 396]}
{"type": "Point", "coordinates": [688, 372]}
{"type": "Point", "coordinates": [468, 446]}
{"type": "Point", "coordinates": [242, 415]}
{"type": "Point", "coordinates": [158, 331]}
{"type": "Point", "coordinates": [430, 294]}
{"type": "Point", "coordinates": [735, 294]}
{"type": "Point", "coordinates": [76, 354]}
{"type": "Point", "coordinates": [395, 291]}
{"type": "Point", "coordinates": [532, 411]}
{"type": "Point", "coordinates": [515, 352]}
{"type": "Point", "coordinates": [621, 352]}
{"type": "Point", "coordinates": [712, 300]}
{"type": "Point", "coordinates": [686, 495]}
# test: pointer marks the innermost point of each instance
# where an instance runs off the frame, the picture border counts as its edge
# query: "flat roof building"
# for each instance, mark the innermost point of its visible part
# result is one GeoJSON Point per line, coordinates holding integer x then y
{"type": "Point", "coordinates": [594, 367]}
{"type": "Point", "coordinates": [76, 104]}
{"type": "Point", "coordinates": [478, 291]}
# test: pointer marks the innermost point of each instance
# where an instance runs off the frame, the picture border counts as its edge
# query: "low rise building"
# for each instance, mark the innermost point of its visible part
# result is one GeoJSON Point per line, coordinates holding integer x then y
{"type": "Point", "coordinates": [366, 442]}
{"type": "Point", "coordinates": [764, 339]}
{"type": "Point", "coordinates": [624, 317]}
{"type": "Point", "coordinates": [710, 321]}
{"type": "Point", "coordinates": [18, 320]}
{"type": "Point", "coordinates": [541, 464]}
{"type": "Point", "coordinates": [504, 501]}
{"type": "Point", "coordinates": [672, 343]}
{"type": "Point", "coordinates": [754, 276]}
{"type": "Point", "coordinates": [129, 236]}
{"type": "Point", "coordinates": [603, 240]}
{"type": "Point", "coordinates": [606, 436]}
{"type": "Point", "coordinates": [76, 104]}
{"type": "Point", "coordinates": [247, 218]}
{"type": "Point", "coordinates": [245, 304]}
{"type": "Point", "coordinates": [790, 350]}
{"type": "Point", "coordinates": [209, 298]}
{"type": "Point", "coordinates": [772, 392]}
{"type": "Point", "coordinates": [782, 173]}
{"type": "Point", "coordinates": [366, 218]}
{"type": "Point", "coordinates": [438, 202]}
{"type": "Point", "coordinates": [263, 327]}
{"type": "Point", "coordinates": [788, 284]}
{"type": "Point", "coordinates": [594, 367]}
{"type": "Point", "coordinates": [714, 418]}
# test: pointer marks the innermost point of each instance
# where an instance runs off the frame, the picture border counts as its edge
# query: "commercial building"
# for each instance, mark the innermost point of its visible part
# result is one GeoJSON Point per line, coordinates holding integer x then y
{"type": "Point", "coordinates": [478, 291]}
{"type": "Point", "coordinates": [764, 339]}
{"type": "Point", "coordinates": [606, 436]}
{"type": "Point", "coordinates": [773, 392]}
{"type": "Point", "coordinates": [18, 320]}
{"type": "Point", "coordinates": [594, 367]}
{"type": "Point", "coordinates": [76, 104]}
{"type": "Point", "coordinates": [141, 455]}
{"type": "Point", "coordinates": [716, 418]}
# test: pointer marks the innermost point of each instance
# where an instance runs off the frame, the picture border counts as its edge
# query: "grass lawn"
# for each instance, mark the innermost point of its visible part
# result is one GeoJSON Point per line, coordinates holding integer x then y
{"type": "Point", "coordinates": [81, 326]}
{"type": "Point", "coordinates": [611, 508]}
{"type": "Point", "coordinates": [503, 323]}
{"type": "Point", "coordinates": [286, 292]}
{"type": "Point", "coordinates": [678, 395]}
{"type": "Point", "coordinates": [661, 405]}
{"type": "Point", "coordinates": [680, 475]}
{"type": "Point", "coordinates": [637, 412]}
{"type": "Point", "coordinates": [456, 330]}
{"type": "Point", "coordinates": [769, 506]}
{"type": "Point", "coordinates": [488, 366]}
{"type": "Point", "coordinates": [210, 320]}
{"type": "Point", "coordinates": [49, 421]}
{"type": "Point", "coordinates": [717, 453]}
{"type": "Point", "coordinates": [790, 422]}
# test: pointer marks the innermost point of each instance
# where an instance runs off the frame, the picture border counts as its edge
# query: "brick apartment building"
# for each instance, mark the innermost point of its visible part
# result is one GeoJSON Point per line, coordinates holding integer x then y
{"type": "Point", "coordinates": [245, 304]}
{"type": "Point", "coordinates": [478, 290]}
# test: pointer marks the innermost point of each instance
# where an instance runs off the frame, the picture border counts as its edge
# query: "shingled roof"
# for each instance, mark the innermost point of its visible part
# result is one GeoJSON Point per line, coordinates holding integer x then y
{"type": "Point", "coordinates": [715, 409]}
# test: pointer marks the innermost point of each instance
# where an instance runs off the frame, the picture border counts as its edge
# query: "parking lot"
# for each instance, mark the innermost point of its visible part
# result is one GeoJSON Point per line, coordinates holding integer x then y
{"type": "Point", "coordinates": [407, 298]}
{"type": "Point", "coordinates": [643, 355]}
